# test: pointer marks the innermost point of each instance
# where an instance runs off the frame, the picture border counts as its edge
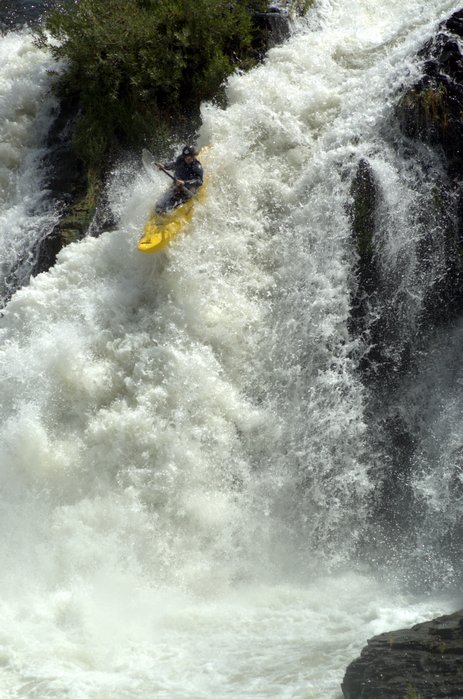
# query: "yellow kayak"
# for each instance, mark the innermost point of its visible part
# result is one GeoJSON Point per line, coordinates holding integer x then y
{"type": "Point", "coordinates": [160, 229]}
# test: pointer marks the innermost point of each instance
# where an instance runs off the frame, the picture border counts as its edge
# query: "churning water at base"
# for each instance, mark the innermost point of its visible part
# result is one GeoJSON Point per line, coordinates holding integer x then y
{"type": "Point", "coordinates": [184, 457]}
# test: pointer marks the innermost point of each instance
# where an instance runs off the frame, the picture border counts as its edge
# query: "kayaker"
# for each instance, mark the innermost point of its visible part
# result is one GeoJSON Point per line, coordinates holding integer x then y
{"type": "Point", "coordinates": [188, 173]}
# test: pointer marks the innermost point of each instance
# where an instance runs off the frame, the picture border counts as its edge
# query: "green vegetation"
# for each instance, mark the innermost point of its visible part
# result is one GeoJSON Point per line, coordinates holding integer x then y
{"type": "Point", "coordinates": [363, 210]}
{"type": "Point", "coordinates": [74, 224]}
{"type": "Point", "coordinates": [432, 102]}
{"type": "Point", "coordinates": [134, 66]}
{"type": "Point", "coordinates": [429, 104]}
{"type": "Point", "coordinates": [412, 693]}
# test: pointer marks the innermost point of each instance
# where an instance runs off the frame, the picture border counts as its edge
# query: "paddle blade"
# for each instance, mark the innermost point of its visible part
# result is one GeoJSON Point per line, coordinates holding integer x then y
{"type": "Point", "coordinates": [148, 161]}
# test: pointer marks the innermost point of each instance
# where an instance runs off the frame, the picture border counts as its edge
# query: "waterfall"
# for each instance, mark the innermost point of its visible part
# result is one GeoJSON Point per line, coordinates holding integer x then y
{"type": "Point", "coordinates": [189, 460]}
{"type": "Point", "coordinates": [26, 113]}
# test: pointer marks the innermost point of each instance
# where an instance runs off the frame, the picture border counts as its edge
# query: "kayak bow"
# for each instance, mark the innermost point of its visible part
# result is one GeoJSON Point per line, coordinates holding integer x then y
{"type": "Point", "coordinates": [161, 229]}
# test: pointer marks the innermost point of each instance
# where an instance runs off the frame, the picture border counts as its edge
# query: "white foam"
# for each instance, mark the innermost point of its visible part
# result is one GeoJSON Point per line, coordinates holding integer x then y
{"type": "Point", "coordinates": [26, 112]}
{"type": "Point", "coordinates": [183, 454]}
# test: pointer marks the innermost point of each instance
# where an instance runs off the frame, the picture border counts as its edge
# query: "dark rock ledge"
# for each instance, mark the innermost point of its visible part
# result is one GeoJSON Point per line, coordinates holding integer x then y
{"type": "Point", "coordinates": [424, 662]}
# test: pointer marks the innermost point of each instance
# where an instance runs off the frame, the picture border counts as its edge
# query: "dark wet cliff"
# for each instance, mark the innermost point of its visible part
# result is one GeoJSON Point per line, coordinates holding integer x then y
{"type": "Point", "coordinates": [425, 662]}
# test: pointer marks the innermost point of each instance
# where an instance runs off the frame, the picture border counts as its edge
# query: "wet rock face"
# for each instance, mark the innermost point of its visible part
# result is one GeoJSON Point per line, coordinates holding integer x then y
{"type": "Point", "coordinates": [66, 183]}
{"type": "Point", "coordinates": [431, 111]}
{"type": "Point", "coordinates": [362, 214]}
{"type": "Point", "coordinates": [274, 25]}
{"type": "Point", "coordinates": [424, 662]}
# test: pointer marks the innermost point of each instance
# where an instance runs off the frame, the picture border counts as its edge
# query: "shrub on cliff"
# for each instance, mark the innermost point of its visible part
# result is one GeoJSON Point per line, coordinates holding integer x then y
{"type": "Point", "coordinates": [131, 63]}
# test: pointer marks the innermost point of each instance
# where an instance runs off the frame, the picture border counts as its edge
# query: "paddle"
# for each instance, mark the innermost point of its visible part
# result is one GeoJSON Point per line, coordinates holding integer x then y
{"type": "Point", "coordinates": [148, 161]}
{"type": "Point", "coordinates": [185, 189]}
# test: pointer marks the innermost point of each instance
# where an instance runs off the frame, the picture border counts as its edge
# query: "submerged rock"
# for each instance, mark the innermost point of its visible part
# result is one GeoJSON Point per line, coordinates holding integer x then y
{"type": "Point", "coordinates": [424, 662]}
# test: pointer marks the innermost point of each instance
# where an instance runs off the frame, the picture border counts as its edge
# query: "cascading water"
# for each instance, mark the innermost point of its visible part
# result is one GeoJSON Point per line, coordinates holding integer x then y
{"type": "Point", "coordinates": [186, 465]}
{"type": "Point", "coordinates": [26, 112]}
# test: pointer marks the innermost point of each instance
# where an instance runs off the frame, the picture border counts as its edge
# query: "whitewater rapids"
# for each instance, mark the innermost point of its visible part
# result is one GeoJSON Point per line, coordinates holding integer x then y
{"type": "Point", "coordinates": [183, 454]}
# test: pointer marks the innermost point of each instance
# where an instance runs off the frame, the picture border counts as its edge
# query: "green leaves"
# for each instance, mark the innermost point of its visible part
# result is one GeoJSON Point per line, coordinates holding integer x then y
{"type": "Point", "coordinates": [130, 61]}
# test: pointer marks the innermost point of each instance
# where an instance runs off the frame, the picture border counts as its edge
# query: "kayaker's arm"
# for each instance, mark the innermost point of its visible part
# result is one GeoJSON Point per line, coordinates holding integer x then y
{"type": "Point", "coordinates": [192, 182]}
{"type": "Point", "coordinates": [187, 176]}
{"type": "Point", "coordinates": [167, 166]}
{"type": "Point", "coordinates": [197, 179]}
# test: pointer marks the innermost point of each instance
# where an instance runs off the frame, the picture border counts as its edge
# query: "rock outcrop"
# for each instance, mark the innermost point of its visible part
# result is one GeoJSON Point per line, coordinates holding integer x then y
{"type": "Point", "coordinates": [430, 114]}
{"type": "Point", "coordinates": [75, 190]}
{"type": "Point", "coordinates": [424, 662]}
{"type": "Point", "coordinates": [431, 111]}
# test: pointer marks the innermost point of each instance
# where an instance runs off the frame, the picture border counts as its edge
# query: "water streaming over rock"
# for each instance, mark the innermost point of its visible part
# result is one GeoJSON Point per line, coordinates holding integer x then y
{"type": "Point", "coordinates": [26, 113]}
{"type": "Point", "coordinates": [186, 453]}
